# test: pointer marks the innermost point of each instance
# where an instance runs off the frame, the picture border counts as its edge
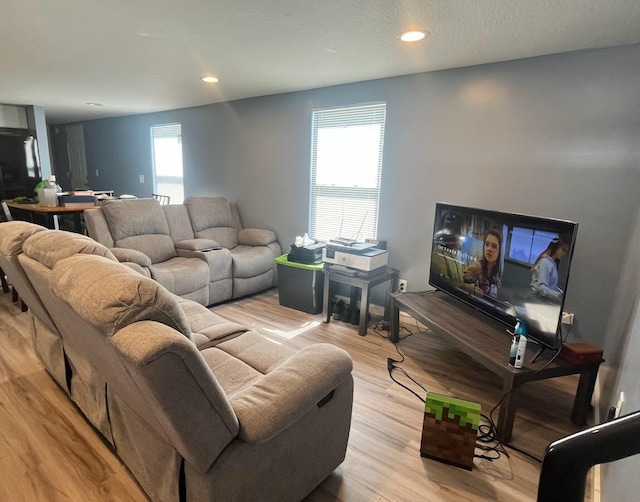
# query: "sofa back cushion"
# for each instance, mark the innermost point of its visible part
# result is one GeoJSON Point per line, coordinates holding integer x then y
{"type": "Point", "coordinates": [111, 296]}
{"type": "Point", "coordinates": [98, 227]}
{"type": "Point", "coordinates": [13, 234]}
{"type": "Point", "coordinates": [212, 218]}
{"type": "Point", "coordinates": [179, 222]}
{"type": "Point", "coordinates": [140, 224]}
{"type": "Point", "coordinates": [49, 247]}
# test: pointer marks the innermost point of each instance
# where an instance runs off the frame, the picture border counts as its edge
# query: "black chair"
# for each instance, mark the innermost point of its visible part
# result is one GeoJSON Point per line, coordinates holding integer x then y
{"type": "Point", "coordinates": [567, 461]}
{"type": "Point", "coordinates": [5, 284]}
{"type": "Point", "coordinates": [162, 199]}
{"type": "Point", "coordinates": [5, 215]}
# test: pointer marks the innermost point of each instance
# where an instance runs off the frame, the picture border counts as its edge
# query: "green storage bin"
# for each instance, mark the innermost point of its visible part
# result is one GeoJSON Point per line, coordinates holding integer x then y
{"type": "Point", "coordinates": [300, 285]}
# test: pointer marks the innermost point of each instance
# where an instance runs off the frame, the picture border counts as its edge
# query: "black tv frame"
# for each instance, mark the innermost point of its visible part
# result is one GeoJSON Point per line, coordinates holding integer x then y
{"type": "Point", "coordinates": [543, 316]}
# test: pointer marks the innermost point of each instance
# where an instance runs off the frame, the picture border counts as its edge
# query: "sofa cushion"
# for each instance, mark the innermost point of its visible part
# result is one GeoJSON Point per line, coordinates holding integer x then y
{"type": "Point", "coordinates": [98, 227]}
{"type": "Point", "coordinates": [110, 296]}
{"type": "Point", "coordinates": [131, 256]}
{"type": "Point", "coordinates": [207, 212]}
{"type": "Point", "coordinates": [270, 385]}
{"type": "Point", "coordinates": [140, 224]}
{"type": "Point", "coordinates": [14, 233]}
{"type": "Point", "coordinates": [178, 221]}
{"type": "Point", "coordinates": [207, 327]}
{"type": "Point", "coordinates": [52, 246]}
{"type": "Point", "coordinates": [250, 261]}
{"type": "Point", "coordinates": [256, 237]}
{"type": "Point", "coordinates": [281, 397]}
{"type": "Point", "coordinates": [212, 218]}
{"type": "Point", "coordinates": [181, 275]}
{"type": "Point", "coordinates": [240, 362]}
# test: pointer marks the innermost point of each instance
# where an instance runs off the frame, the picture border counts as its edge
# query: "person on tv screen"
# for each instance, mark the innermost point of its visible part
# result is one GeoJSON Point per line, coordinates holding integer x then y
{"type": "Point", "coordinates": [485, 274]}
{"type": "Point", "coordinates": [544, 273]}
{"type": "Point", "coordinates": [447, 260]}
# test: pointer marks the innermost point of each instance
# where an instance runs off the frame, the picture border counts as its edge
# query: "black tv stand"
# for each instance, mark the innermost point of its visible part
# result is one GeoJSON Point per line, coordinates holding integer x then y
{"type": "Point", "coordinates": [465, 327]}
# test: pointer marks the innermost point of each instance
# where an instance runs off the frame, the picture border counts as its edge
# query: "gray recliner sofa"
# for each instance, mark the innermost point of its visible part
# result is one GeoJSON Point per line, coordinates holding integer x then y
{"type": "Point", "coordinates": [197, 407]}
{"type": "Point", "coordinates": [46, 338]}
{"type": "Point", "coordinates": [198, 250]}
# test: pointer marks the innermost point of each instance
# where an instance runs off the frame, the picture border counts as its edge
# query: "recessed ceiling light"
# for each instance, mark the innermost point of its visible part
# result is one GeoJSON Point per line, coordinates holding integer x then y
{"type": "Point", "coordinates": [210, 80]}
{"type": "Point", "coordinates": [95, 104]}
{"type": "Point", "coordinates": [413, 36]}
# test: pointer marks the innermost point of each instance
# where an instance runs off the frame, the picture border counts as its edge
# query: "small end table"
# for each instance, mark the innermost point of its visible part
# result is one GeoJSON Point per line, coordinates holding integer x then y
{"type": "Point", "coordinates": [365, 284]}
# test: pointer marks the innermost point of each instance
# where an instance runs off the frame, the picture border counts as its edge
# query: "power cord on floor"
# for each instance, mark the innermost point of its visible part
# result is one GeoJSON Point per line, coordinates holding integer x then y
{"type": "Point", "coordinates": [492, 435]}
{"type": "Point", "coordinates": [487, 433]}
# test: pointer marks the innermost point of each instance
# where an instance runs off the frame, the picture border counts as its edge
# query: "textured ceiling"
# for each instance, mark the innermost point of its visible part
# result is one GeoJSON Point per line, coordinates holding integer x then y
{"type": "Point", "coordinates": [138, 56]}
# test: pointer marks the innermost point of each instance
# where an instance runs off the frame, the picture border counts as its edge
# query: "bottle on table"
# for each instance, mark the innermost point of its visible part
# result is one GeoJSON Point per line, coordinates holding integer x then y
{"type": "Point", "coordinates": [518, 345]}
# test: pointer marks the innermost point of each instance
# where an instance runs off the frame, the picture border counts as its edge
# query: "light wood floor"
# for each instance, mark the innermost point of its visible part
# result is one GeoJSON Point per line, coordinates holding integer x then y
{"type": "Point", "coordinates": [48, 452]}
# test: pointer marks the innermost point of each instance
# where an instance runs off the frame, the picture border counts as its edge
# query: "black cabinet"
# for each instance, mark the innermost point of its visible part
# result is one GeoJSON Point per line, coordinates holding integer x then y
{"type": "Point", "coordinates": [19, 163]}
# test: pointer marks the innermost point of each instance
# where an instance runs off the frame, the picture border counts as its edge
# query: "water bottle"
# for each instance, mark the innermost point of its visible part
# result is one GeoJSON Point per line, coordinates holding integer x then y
{"type": "Point", "coordinates": [514, 350]}
{"type": "Point", "coordinates": [521, 332]}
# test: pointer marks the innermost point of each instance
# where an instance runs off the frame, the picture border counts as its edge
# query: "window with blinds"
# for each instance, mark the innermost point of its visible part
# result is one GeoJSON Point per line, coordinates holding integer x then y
{"type": "Point", "coordinates": [168, 177]}
{"type": "Point", "coordinates": [346, 165]}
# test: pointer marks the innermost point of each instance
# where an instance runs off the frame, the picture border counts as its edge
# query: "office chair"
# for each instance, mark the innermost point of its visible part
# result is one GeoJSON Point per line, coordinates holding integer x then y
{"type": "Point", "coordinates": [568, 460]}
{"type": "Point", "coordinates": [162, 199]}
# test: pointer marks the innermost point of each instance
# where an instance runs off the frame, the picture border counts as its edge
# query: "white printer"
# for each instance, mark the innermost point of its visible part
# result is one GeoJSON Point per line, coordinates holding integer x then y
{"type": "Point", "coordinates": [361, 255]}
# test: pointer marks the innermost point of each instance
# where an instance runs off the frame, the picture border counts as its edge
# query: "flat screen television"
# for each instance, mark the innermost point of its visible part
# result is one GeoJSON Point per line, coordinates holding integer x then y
{"type": "Point", "coordinates": [508, 266]}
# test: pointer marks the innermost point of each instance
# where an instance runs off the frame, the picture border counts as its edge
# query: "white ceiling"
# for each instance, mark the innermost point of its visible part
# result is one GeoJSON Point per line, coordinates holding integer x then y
{"type": "Point", "coordinates": [138, 56]}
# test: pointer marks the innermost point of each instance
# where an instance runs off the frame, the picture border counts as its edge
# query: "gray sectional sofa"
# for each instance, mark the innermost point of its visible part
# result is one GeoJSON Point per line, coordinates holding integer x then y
{"type": "Point", "coordinates": [197, 250]}
{"type": "Point", "coordinates": [197, 407]}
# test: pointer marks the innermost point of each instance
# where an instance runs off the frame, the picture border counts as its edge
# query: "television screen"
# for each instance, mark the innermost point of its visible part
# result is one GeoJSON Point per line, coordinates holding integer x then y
{"type": "Point", "coordinates": [509, 266]}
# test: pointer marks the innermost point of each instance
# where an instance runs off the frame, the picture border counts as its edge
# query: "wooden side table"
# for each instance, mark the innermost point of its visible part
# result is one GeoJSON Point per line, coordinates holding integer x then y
{"type": "Point", "coordinates": [486, 341]}
{"type": "Point", "coordinates": [365, 284]}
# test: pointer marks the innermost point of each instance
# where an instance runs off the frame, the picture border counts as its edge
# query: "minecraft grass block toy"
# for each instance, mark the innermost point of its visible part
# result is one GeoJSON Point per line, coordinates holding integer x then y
{"type": "Point", "coordinates": [449, 430]}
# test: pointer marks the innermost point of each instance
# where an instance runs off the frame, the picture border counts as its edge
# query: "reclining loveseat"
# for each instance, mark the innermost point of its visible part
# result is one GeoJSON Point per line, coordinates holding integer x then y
{"type": "Point", "coordinates": [197, 407]}
{"type": "Point", "coordinates": [197, 250]}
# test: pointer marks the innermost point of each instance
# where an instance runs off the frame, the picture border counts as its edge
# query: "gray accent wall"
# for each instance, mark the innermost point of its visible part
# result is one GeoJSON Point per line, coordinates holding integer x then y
{"type": "Point", "coordinates": [555, 136]}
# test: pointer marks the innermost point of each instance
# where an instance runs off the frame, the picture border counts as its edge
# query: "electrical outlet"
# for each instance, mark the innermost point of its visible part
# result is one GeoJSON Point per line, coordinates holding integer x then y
{"type": "Point", "coordinates": [141, 178]}
{"type": "Point", "coordinates": [567, 318]}
{"type": "Point", "coordinates": [402, 286]}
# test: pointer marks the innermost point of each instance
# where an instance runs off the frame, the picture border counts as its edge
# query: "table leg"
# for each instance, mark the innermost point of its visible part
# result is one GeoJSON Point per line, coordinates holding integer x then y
{"type": "Point", "coordinates": [393, 287]}
{"type": "Point", "coordinates": [326, 297]}
{"type": "Point", "coordinates": [582, 401]}
{"type": "Point", "coordinates": [394, 321]}
{"type": "Point", "coordinates": [364, 310]}
{"type": "Point", "coordinates": [507, 415]}
{"type": "Point", "coordinates": [77, 223]}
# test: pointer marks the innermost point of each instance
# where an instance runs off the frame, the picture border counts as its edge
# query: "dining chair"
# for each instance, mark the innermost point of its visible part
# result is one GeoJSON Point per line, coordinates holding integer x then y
{"type": "Point", "coordinates": [162, 199]}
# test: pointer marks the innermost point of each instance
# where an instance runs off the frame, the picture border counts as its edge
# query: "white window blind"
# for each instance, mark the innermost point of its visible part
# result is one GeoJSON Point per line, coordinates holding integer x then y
{"type": "Point", "coordinates": [167, 161]}
{"type": "Point", "coordinates": [346, 165]}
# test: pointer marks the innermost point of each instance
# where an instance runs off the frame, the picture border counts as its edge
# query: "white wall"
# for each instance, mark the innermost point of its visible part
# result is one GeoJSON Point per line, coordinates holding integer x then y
{"type": "Point", "coordinates": [13, 116]}
{"type": "Point", "coordinates": [620, 480]}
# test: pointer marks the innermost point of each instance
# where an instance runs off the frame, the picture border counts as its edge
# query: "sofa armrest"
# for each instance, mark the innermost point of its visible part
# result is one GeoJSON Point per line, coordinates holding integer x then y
{"type": "Point", "coordinates": [134, 266]}
{"type": "Point", "coordinates": [197, 245]}
{"type": "Point", "coordinates": [256, 237]}
{"type": "Point", "coordinates": [132, 256]}
{"type": "Point", "coordinates": [283, 396]}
